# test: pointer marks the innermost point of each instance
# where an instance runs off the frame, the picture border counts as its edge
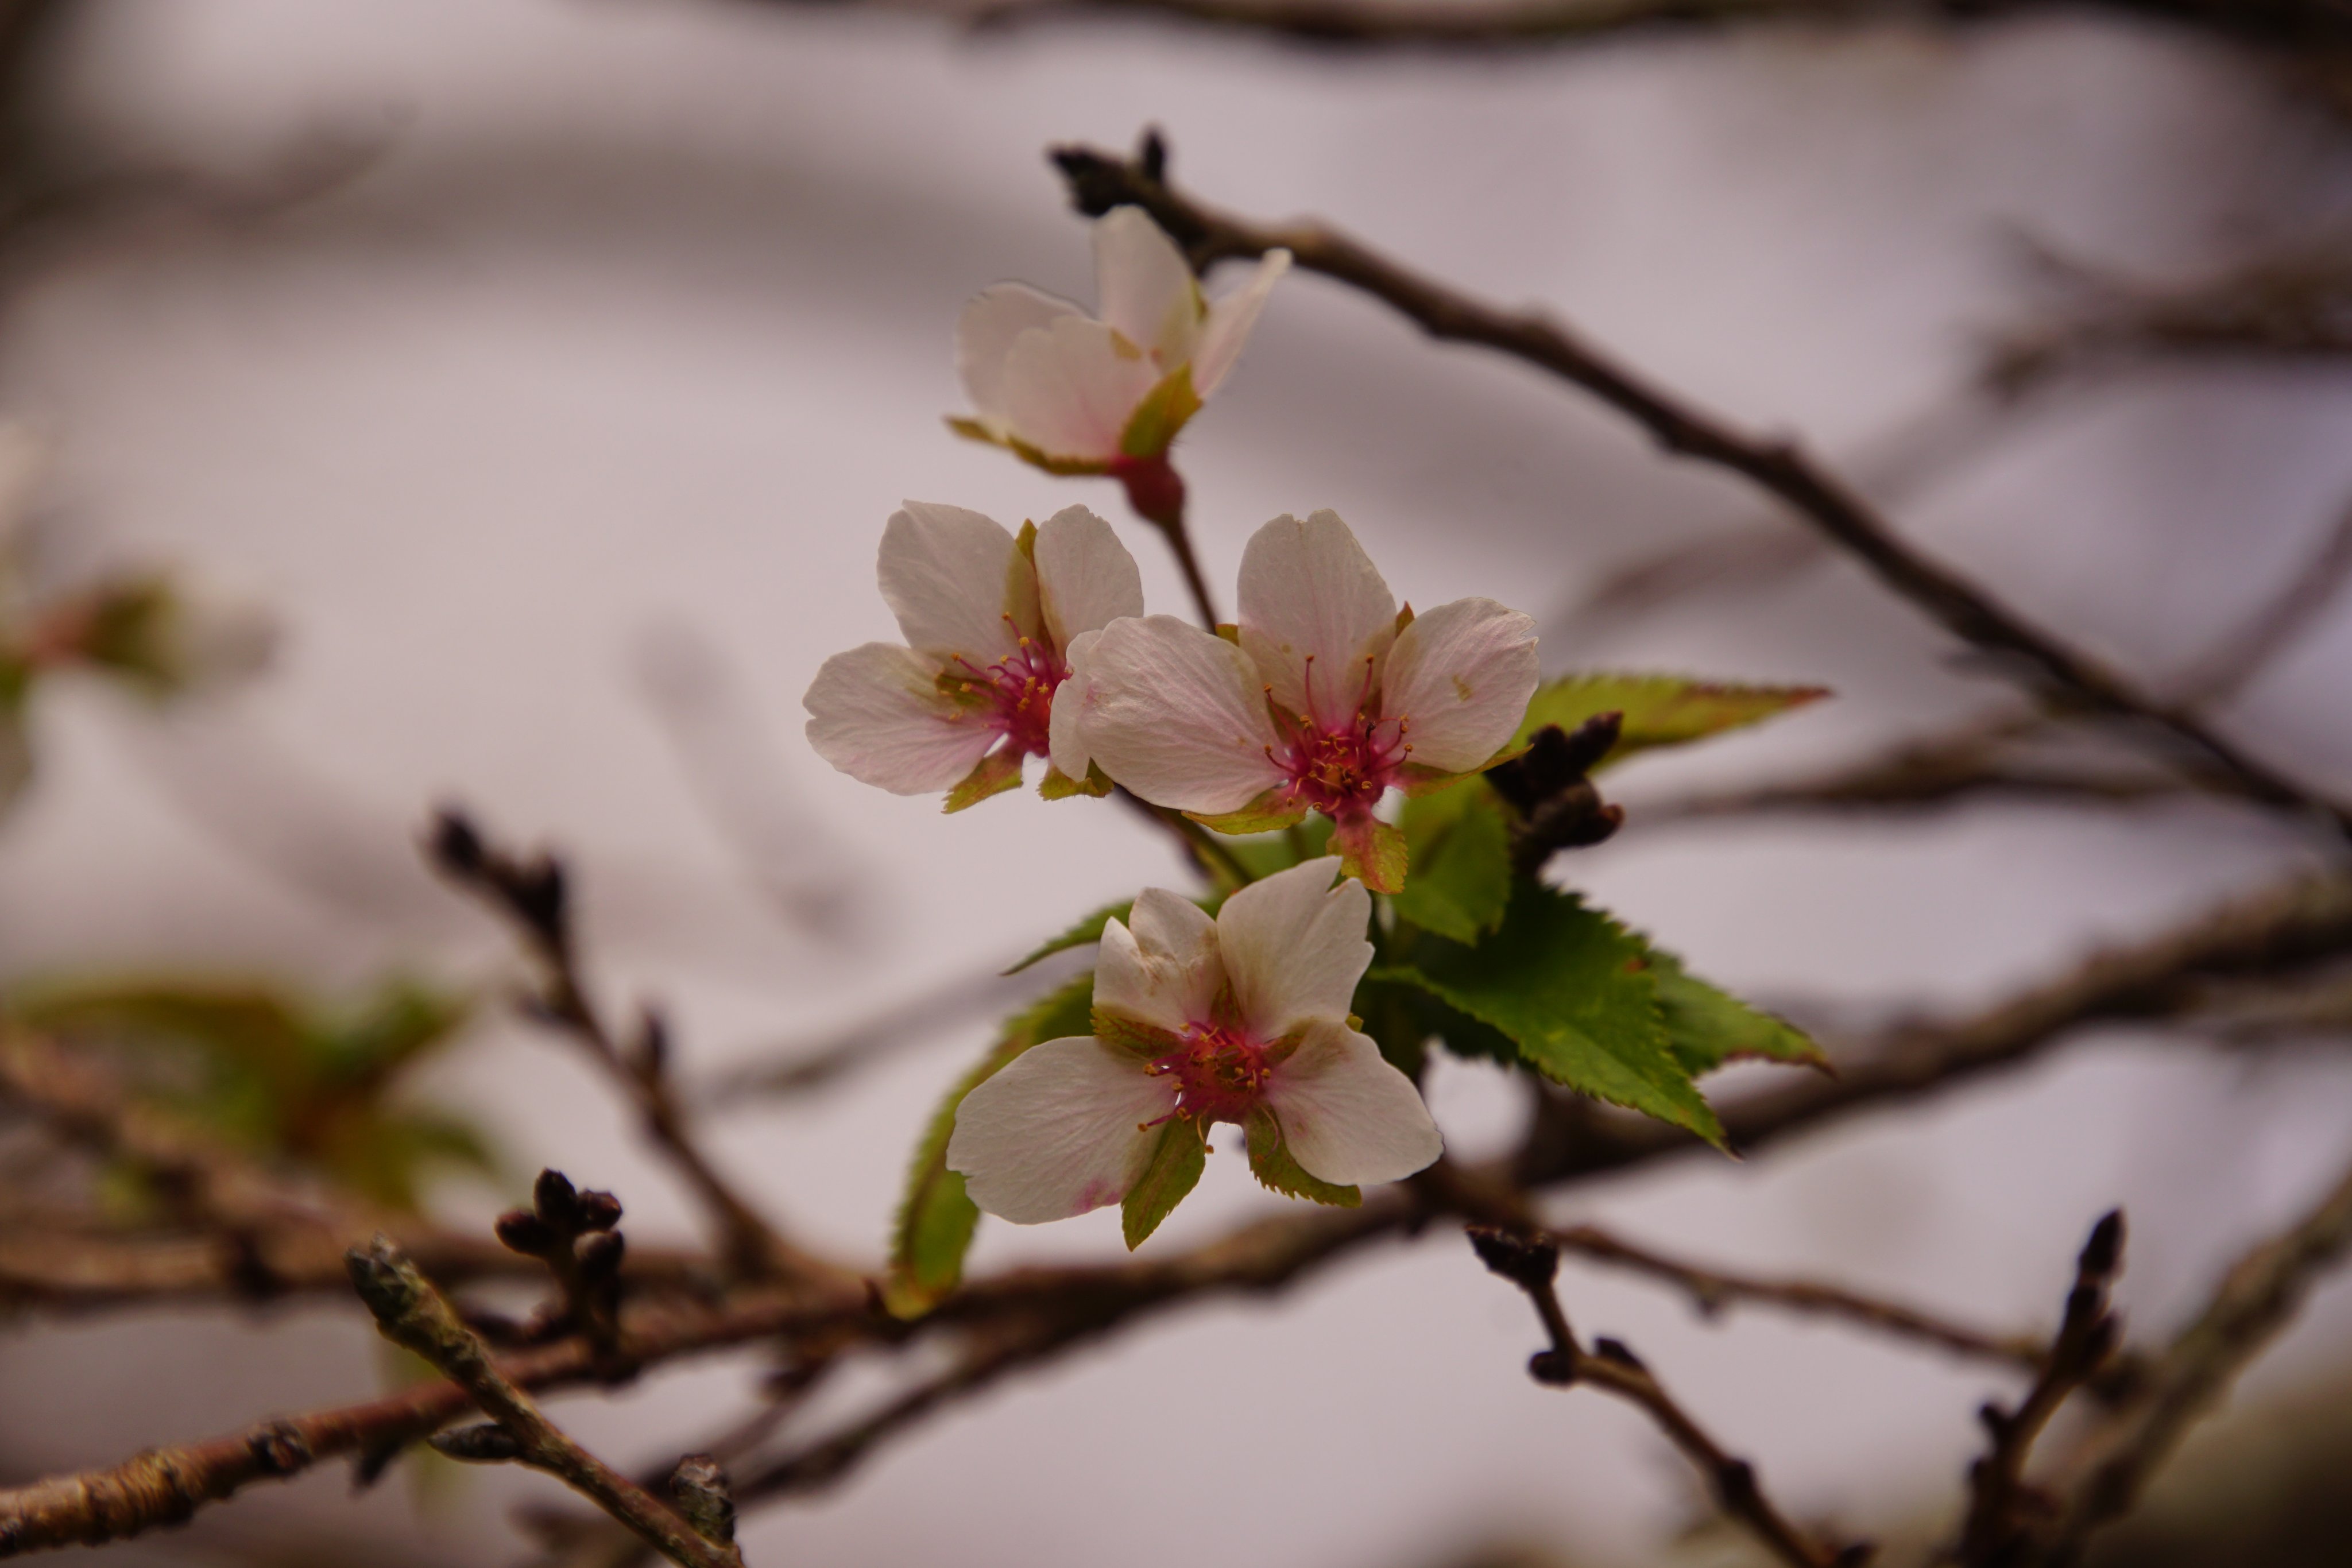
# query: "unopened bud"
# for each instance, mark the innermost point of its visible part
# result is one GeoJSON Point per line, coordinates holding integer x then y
{"type": "Point", "coordinates": [484, 1442]}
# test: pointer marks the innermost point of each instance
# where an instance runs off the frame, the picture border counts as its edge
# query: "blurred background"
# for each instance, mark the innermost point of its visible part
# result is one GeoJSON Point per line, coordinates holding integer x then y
{"type": "Point", "coordinates": [545, 369]}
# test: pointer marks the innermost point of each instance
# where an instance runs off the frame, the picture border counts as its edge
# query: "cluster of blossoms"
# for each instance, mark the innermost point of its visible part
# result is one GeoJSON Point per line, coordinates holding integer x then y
{"type": "Point", "coordinates": [1323, 697]}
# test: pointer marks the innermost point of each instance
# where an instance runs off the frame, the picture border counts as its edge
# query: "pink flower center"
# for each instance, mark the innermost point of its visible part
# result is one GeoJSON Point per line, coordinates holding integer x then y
{"type": "Point", "coordinates": [1219, 1071]}
{"type": "Point", "coordinates": [1343, 769]}
{"type": "Point", "coordinates": [1015, 694]}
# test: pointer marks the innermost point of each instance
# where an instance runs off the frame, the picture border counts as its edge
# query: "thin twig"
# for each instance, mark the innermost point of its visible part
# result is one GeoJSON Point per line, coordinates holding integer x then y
{"type": "Point", "coordinates": [532, 895]}
{"type": "Point", "coordinates": [1532, 1263]}
{"type": "Point", "coordinates": [413, 1314]}
{"type": "Point", "coordinates": [2004, 1511]}
{"type": "Point", "coordinates": [2255, 1300]}
{"type": "Point", "coordinates": [1712, 1289]}
{"type": "Point", "coordinates": [2225, 670]}
{"type": "Point", "coordinates": [1099, 182]}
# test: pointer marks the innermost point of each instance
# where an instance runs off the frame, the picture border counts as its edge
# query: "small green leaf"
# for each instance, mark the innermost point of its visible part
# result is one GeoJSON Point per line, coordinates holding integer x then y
{"type": "Point", "coordinates": [1263, 854]}
{"type": "Point", "coordinates": [1269, 812]}
{"type": "Point", "coordinates": [1059, 785]}
{"type": "Point", "coordinates": [936, 1216]}
{"type": "Point", "coordinates": [1460, 851]}
{"type": "Point", "coordinates": [1709, 1027]}
{"type": "Point", "coordinates": [1177, 1161]}
{"type": "Point", "coordinates": [1573, 988]}
{"type": "Point", "coordinates": [1089, 929]}
{"type": "Point", "coordinates": [1163, 412]}
{"type": "Point", "coordinates": [992, 775]}
{"type": "Point", "coordinates": [1660, 710]}
{"type": "Point", "coordinates": [1272, 1163]}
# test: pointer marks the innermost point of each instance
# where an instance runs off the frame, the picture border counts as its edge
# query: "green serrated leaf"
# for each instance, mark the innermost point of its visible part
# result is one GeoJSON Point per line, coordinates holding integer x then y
{"type": "Point", "coordinates": [1271, 1162]}
{"type": "Point", "coordinates": [992, 775]}
{"type": "Point", "coordinates": [1660, 710]}
{"type": "Point", "coordinates": [1177, 1161]}
{"type": "Point", "coordinates": [1574, 989]}
{"type": "Point", "coordinates": [1461, 851]}
{"type": "Point", "coordinates": [1164, 411]}
{"type": "Point", "coordinates": [1709, 1027]}
{"type": "Point", "coordinates": [936, 1218]}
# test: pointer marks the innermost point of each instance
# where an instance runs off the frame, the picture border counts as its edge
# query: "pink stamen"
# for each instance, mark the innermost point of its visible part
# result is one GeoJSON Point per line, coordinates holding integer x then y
{"type": "Point", "coordinates": [1017, 693]}
{"type": "Point", "coordinates": [1342, 768]}
{"type": "Point", "coordinates": [1220, 1073]}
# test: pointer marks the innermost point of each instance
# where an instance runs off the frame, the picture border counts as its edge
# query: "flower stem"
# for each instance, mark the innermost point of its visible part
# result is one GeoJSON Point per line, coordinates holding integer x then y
{"type": "Point", "coordinates": [1180, 543]}
{"type": "Point", "coordinates": [1156, 491]}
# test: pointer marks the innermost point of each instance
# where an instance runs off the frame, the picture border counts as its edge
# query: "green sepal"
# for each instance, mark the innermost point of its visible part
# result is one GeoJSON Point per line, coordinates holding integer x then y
{"type": "Point", "coordinates": [1271, 1162]}
{"type": "Point", "coordinates": [1270, 812]}
{"type": "Point", "coordinates": [1460, 846]}
{"type": "Point", "coordinates": [1059, 785]}
{"type": "Point", "coordinates": [1125, 1034]}
{"type": "Point", "coordinates": [992, 775]}
{"type": "Point", "coordinates": [1574, 989]}
{"type": "Point", "coordinates": [1163, 412]}
{"type": "Point", "coordinates": [1375, 852]}
{"type": "Point", "coordinates": [1659, 710]}
{"type": "Point", "coordinates": [972, 430]}
{"type": "Point", "coordinates": [936, 1216]}
{"type": "Point", "coordinates": [1231, 632]}
{"type": "Point", "coordinates": [1177, 1161]}
{"type": "Point", "coordinates": [1709, 1027]}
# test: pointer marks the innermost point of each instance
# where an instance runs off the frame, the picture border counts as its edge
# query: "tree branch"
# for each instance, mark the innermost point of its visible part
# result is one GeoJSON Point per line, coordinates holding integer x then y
{"type": "Point", "coordinates": [1532, 1264]}
{"type": "Point", "coordinates": [1099, 181]}
{"type": "Point", "coordinates": [413, 1314]}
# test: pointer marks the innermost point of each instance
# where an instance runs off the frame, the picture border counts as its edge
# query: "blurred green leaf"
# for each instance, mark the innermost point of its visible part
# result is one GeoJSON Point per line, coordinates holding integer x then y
{"type": "Point", "coordinates": [936, 1218]}
{"type": "Point", "coordinates": [1089, 929]}
{"type": "Point", "coordinates": [1660, 710]}
{"type": "Point", "coordinates": [1461, 849]}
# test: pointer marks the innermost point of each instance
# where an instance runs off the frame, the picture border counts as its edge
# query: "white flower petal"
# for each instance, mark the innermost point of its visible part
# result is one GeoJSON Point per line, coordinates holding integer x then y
{"type": "Point", "coordinates": [1293, 946]}
{"type": "Point", "coordinates": [876, 714]}
{"type": "Point", "coordinates": [1460, 677]}
{"type": "Point", "coordinates": [1066, 737]}
{"type": "Point", "coordinates": [992, 322]}
{"type": "Point", "coordinates": [1143, 286]}
{"type": "Point", "coordinates": [1227, 326]}
{"type": "Point", "coordinates": [951, 576]}
{"type": "Point", "coordinates": [1177, 716]}
{"type": "Point", "coordinates": [1058, 1131]}
{"type": "Point", "coordinates": [1313, 610]}
{"type": "Point", "coordinates": [1086, 578]}
{"type": "Point", "coordinates": [1070, 388]}
{"type": "Point", "coordinates": [1348, 1116]}
{"type": "Point", "coordinates": [1160, 966]}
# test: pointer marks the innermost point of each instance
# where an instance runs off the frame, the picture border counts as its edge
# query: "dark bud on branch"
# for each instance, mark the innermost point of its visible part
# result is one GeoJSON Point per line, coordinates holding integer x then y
{"type": "Point", "coordinates": [2103, 1254]}
{"type": "Point", "coordinates": [1531, 1262]}
{"type": "Point", "coordinates": [600, 1258]}
{"type": "Point", "coordinates": [484, 1443]}
{"type": "Point", "coordinates": [1615, 1350]}
{"type": "Point", "coordinates": [699, 1486]}
{"type": "Point", "coordinates": [386, 1281]}
{"type": "Point", "coordinates": [1555, 1368]}
{"type": "Point", "coordinates": [522, 1231]}
{"type": "Point", "coordinates": [1558, 806]}
{"type": "Point", "coordinates": [598, 1211]}
{"type": "Point", "coordinates": [557, 1202]}
{"type": "Point", "coordinates": [456, 845]}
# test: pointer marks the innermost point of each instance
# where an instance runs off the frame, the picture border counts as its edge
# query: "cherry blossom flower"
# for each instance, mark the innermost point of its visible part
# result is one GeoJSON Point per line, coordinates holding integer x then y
{"type": "Point", "coordinates": [1242, 1018]}
{"type": "Point", "coordinates": [988, 619]}
{"type": "Point", "coordinates": [1075, 393]}
{"type": "Point", "coordinates": [1325, 699]}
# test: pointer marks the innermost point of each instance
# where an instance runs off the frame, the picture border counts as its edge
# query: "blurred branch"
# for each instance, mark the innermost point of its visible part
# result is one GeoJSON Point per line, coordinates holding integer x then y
{"type": "Point", "coordinates": [413, 1314]}
{"type": "Point", "coordinates": [532, 896]}
{"type": "Point", "coordinates": [2226, 669]}
{"type": "Point", "coordinates": [2296, 303]}
{"type": "Point", "coordinates": [1713, 1290]}
{"type": "Point", "coordinates": [2002, 1509]}
{"type": "Point", "coordinates": [1532, 1263]}
{"type": "Point", "coordinates": [1099, 182]}
{"type": "Point", "coordinates": [2257, 1298]}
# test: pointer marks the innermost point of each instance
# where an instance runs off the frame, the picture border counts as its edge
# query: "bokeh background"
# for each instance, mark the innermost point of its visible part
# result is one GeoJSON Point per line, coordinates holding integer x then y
{"type": "Point", "coordinates": [548, 366]}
